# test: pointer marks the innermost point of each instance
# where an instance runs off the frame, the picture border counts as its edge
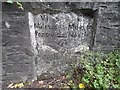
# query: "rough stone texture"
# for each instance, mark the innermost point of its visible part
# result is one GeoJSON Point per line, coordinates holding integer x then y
{"type": "Point", "coordinates": [107, 34]}
{"type": "Point", "coordinates": [63, 31]}
{"type": "Point", "coordinates": [59, 32]}
{"type": "Point", "coordinates": [119, 25]}
{"type": "Point", "coordinates": [67, 0]}
{"type": "Point", "coordinates": [0, 45]}
{"type": "Point", "coordinates": [17, 61]}
{"type": "Point", "coordinates": [54, 23]}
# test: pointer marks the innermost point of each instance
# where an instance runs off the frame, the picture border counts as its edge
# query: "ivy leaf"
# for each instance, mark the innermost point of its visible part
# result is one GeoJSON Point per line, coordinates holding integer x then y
{"type": "Point", "coordinates": [20, 5]}
{"type": "Point", "coordinates": [95, 83]}
{"type": "Point", "coordinates": [9, 1]}
{"type": "Point", "coordinates": [116, 86]}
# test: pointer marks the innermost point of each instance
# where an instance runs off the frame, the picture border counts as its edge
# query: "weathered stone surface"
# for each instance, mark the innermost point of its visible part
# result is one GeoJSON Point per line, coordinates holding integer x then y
{"type": "Point", "coordinates": [56, 35]}
{"type": "Point", "coordinates": [15, 32]}
{"type": "Point", "coordinates": [15, 78]}
{"type": "Point", "coordinates": [15, 24]}
{"type": "Point", "coordinates": [107, 27]}
{"type": "Point", "coordinates": [58, 32]}
{"type": "Point", "coordinates": [119, 25]}
{"type": "Point", "coordinates": [14, 41]}
{"type": "Point", "coordinates": [63, 30]}
{"type": "Point", "coordinates": [17, 61]}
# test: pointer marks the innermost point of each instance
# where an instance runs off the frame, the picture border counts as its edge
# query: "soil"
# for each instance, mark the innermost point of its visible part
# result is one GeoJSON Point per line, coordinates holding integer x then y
{"type": "Point", "coordinates": [56, 82]}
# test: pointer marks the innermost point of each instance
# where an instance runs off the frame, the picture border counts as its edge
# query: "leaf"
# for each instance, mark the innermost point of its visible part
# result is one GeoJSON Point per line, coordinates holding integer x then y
{"type": "Point", "coordinates": [10, 85]}
{"type": "Point", "coordinates": [68, 76]}
{"type": "Point", "coordinates": [86, 80]}
{"type": "Point", "coordinates": [9, 1]}
{"type": "Point", "coordinates": [74, 88]}
{"type": "Point", "coordinates": [20, 5]}
{"type": "Point", "coordinates": [116, 86]}
{"type": "Point", "coordinates": [81, 85]}
{"type": "Point", "coordinates": [66, 87]}
{"type": "Point", "coordinates": [71, 81]}
{"type": "Point", "coordinates": [20, 85]}
{"type": "Point", "coordinates": [49, 86]}
{"type": "Point", "coordinates": [16, 85]}
{"type": "Point", "coordinates": [101, 81]}
{"type": "Point", "coordinates": [40, 82]}
{"type": "Point", "coordinates": [96, 85]}
{"type": "Point", "coordinates": [21, 8]}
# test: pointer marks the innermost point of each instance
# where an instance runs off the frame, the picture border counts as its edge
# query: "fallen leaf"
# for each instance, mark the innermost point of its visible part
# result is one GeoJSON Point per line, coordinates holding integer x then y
{"type": "Point", "coordinates": [10, 85]}
{"type": "Point", "coordinates": [20, 85]}
{"type": "Point", "coordinates": [49, 86]}
{"type": "Point", "coordinates": [40, 82]}
{"type": "Point", "coordinates": [81, 85]}
{"type": "Point", "coordinates": [16, 85]}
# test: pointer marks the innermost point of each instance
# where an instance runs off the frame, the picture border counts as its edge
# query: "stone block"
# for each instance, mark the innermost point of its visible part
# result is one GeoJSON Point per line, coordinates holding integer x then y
{"type": "Point", "coordinates": [15, 78]}
{"type": "Point", "coordinates": [9, 40]}
{"type": "Point", "coordinates": [15, 24]}
{"type": "Point", "coordinates": [18, 67]}
{"type": "Point", "coordinates": [14, 16]}
{"type": "Point", "coordinates": [16, 32]}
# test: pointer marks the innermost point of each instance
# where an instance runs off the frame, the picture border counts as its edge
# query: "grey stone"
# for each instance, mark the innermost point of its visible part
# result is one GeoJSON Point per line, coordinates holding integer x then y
{"type": "Point", "coordinates": [16, 16]}
{"type": "Point", "coordinates": [59, 36]}
{"type": "Point", "coordinates": [108, 26]}
{"type": "Point", "coordinates": [17, 67]}
{"type": "Point", "coordinates": [17, 61]}
{"type": "Point", "coordinates": [15, 24]}
{"type": "Point", "coordinates": [54, 36]}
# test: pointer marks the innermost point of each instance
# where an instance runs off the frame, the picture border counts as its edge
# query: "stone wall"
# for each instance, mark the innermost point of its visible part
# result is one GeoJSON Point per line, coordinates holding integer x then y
{"type": "Point", "coordinates": [60, 40]}
{"type": "Point", "coordinates": [48, 37]}
{"type": "Point", "coordinates": [108, 23]}
{"type": "Point", "coordinates": [58, 36]}
{"type": "Point", "coordinates": [17, 55]}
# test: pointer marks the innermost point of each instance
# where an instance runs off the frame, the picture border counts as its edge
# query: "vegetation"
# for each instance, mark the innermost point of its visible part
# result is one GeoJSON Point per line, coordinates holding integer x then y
{"type": "Point", "coordinates": [99, 70]}
{"type": "Point", "coordinates": [94, 70]}
{"type": "Point", "coordinates": [19, 5]}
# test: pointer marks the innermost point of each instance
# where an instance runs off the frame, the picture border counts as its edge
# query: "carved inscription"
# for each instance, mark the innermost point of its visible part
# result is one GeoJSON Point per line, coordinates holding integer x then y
{"type": "Point", "coordinates": [67, 30]}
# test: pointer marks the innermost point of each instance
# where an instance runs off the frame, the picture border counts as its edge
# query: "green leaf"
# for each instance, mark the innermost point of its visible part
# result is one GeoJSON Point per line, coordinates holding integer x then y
{"type": "Point", "coordinates": [96, 85]}
{"type": "Point", "coordinates": [74, 88]}
{"type": "Point", "coordinates": [86, 80]}
{"type": "Point", "coordinates": [101, 81]}
{"type": "Point", "coordinates": [116, 86]}
{"type": "Point", "coordinates": [68, 77]}
{"type": "Point", "coordinates": [9, 1]}
{"type": "Point", "coordinates": [20, 5]}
